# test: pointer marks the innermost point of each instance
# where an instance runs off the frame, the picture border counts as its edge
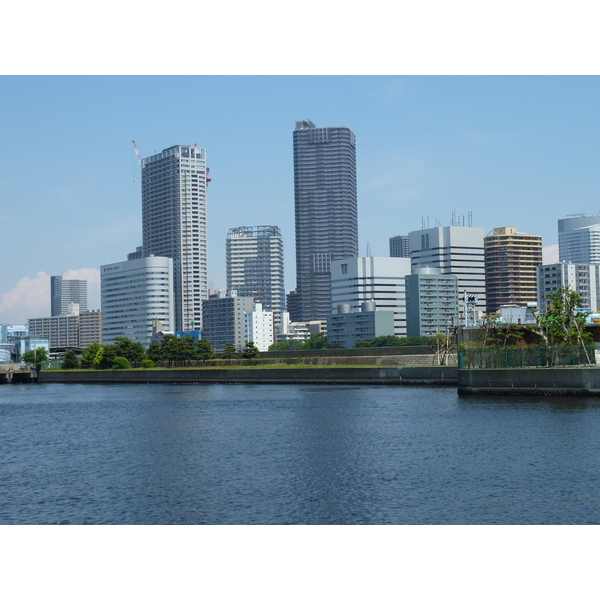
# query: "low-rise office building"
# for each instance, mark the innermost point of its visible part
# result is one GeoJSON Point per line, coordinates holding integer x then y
{"type": "Point", "coordinates": [377, 279]}
{"type": "Point", "coordinates": [431, 302]}
{"type": "Point", "coordinates": [259, 327]}
{"type": "Point", "coordinates": [346, 327]}
{"type": "Point", "coordinates": [581, 278]}
{"type": "Point", "coordinates": [223, 319]}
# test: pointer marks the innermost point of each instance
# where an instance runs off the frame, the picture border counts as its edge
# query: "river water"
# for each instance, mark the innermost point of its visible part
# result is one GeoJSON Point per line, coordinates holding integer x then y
{"type": "Point", "coordinates": [302, 454]}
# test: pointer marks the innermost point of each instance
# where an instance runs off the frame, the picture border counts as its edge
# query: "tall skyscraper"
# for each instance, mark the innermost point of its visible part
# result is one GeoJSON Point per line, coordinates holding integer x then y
{"type": "Point", "coordinates": [579, 239]}
{"type": "Point", "coordinates": [455, 251]}
{"type": "Point", "coordinates": [511, 261]}
{"type": "Point", "coordinates": [174, 225]}
{"type": "Point", "coordinates": [325, 209]}
{"type": "Point", "coordinates": [255, 266]}
{"type": "Point", "coordinates": [64, 292]}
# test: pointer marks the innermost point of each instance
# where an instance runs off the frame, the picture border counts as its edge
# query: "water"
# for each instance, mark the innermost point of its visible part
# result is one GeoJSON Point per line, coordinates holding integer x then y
{"type": "Point", "coordinates": [83, 454]}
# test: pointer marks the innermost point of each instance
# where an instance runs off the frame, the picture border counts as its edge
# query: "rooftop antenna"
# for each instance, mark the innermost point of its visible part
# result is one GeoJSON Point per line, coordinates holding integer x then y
{"type": "Point", "coordinates": [369, 252]}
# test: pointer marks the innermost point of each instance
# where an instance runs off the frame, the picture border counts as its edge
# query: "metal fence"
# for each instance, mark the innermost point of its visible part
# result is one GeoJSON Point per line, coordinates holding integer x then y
{"type": "Point", "coordinates": [515, 358]}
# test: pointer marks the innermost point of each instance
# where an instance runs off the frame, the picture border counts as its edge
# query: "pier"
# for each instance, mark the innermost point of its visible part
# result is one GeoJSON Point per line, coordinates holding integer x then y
{"type": "Point", "coordinates": [17, 376]}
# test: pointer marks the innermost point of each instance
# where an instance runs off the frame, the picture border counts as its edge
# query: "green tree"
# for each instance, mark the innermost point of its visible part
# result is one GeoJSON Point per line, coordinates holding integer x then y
{"type": "Point", "coordinates": [105, 356]}
{"type": "Point", "coordinates": [168, 346]}
{"type": "Point", "coordinates": [229, 352]}
{"type": "Point", "coordinates": [362, 344]}
{"type": "Point", "coordinates": [155, 352]}
{"type": "Point", "coordinates": [563, 323]}
{"type": "Point", "coordinates": [89, 354]}
{"type": "Point", "coordinates": [35, 357]}
{"type": "Point", "coordinates": [441, 346]}
{"type": "Point", "coordinates": [250, 351]}
{"type": "Point", "coordinates": [132, 351]}
{"type": "Point", "coordinates": [186, 349]}
{"type": "Point", "coordinates": [285, 345]}
{"type": "Point", "coordinates": [70, 360]}
{"type": "Point", "coordinates": [120, 362]}
{"type": "Point", "coordinates": [316, 341]}
{"type": "Point", "coordinates": [204, 351]}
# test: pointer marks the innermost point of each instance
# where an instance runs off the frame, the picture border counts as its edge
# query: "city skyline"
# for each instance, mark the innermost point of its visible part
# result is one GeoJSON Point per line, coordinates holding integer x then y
{"type": "Point", "coordinates": [427, 148]}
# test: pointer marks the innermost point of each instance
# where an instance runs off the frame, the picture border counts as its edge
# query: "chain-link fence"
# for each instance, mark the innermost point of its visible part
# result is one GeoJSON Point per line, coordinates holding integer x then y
{"type": "Point", "coordinates": [514, 358]}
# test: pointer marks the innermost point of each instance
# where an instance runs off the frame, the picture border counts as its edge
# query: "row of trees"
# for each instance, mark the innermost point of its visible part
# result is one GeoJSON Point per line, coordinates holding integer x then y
{"type": "Point", "coordinates": [318, 341]}
{"type": "Point", "coordinates": [176, 351]}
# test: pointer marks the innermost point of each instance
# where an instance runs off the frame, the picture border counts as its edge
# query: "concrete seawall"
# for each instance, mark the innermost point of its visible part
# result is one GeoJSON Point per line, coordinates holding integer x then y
{"type": "Point", "coordinates": [559, 381]}
{"type": "Point", "coordinates": [335, 376]}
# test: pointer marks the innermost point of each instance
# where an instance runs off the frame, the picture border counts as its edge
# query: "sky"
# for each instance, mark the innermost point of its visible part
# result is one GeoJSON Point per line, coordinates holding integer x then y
{"type": "Point", "coordinates": [505, 150]}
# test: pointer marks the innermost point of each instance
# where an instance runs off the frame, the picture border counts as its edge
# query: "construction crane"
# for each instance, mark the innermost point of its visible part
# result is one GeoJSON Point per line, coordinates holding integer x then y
{"type": "Point", "coordinates": [137, 152]}
{"type": "Point", "coordinates": [207, 169]}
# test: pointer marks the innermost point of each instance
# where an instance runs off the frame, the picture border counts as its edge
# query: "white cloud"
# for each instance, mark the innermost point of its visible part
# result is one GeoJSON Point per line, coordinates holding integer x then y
{"type": "Point", "coordinates": [550, 254]}
{"type": "Point", "coordinates": [30, 297]}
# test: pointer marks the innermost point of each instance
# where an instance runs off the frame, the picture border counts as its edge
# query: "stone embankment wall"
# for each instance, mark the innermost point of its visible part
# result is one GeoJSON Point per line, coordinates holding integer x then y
{"type": "Point", "coordinates": [323, 375]}
{"type": "Point", "coordinates": [559, 381]}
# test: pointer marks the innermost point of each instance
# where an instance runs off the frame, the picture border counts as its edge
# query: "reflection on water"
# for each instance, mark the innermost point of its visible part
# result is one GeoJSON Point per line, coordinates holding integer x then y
{"type": "Point", "coordinates": [295, 455]}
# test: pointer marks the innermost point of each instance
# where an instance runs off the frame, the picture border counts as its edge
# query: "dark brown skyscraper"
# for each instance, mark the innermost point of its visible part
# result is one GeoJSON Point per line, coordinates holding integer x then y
{"type": "Point", "coordinates": [326, 211]}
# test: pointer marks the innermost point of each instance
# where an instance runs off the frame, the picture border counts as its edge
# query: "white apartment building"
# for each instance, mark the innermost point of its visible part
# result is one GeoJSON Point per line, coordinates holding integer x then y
{"type": "Point", "coordinates": [258, 327]}
{"type": "Point", "coordinates": [255, 266]}
{"type": "Point", "coordinates": [299, 330]}
{"type": "Point", "coordinates": [174, 225]}
{"type": "Point", "coordinates": [584, 279]}
{"type": "Point", "coordinates": [454, 251]}
{"type": "Point", "coordinates": [134, 294]}
{"type": "Point", "coordinates": [378, 279]}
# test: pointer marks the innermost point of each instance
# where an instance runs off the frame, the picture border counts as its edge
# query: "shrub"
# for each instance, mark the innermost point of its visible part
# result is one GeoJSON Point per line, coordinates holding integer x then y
{"type": "Point", "coordinates": [147, 364]}
{"type": "Point", "coordinates": [120, 362]}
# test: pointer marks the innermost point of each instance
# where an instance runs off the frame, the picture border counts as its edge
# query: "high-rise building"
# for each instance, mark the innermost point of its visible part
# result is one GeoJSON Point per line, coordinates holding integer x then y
{"type": "Point", "coordinates": [255, 266]}
{"type": "Point", "coordinates": [399, 246]}
{"type": "Point", "coordinates": [579, 239]}
{"type": "Point", "coordinates": [325, 211]}
{"type": "Point", "coordinates": [174, 225]}
{"type": "Point", "coordinates": [134, 294]}
{"type": "Point", "coordinates": [511, 261]}
{"type": "Point", "coordinates": [455, 251]}
{"type": "Point", "coordinates": [583, 279]}
{"type": "Point", "coordinates": [431, 302]}
{"type": "Point", "coordinates": [64, 292]}
{"type": "Point", "coordinates": [372, 278]}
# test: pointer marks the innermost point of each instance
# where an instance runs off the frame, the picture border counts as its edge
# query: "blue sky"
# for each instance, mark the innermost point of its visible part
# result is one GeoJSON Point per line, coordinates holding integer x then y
{"type": "Point", "coordinates": [512, 151]}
